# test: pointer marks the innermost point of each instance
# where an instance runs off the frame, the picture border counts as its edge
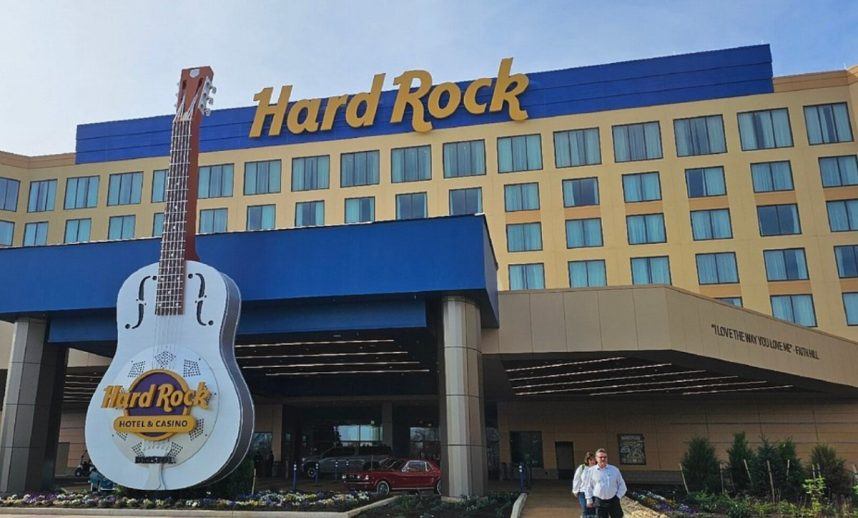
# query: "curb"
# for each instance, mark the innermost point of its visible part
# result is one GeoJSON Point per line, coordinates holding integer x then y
{"type": "Point", "coordinates": [518, 506]}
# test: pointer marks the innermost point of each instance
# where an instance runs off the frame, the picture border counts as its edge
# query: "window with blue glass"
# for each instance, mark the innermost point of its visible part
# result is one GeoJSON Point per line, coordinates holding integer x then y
{"type": "Point", "coordinates": [124, 188]}
{"type": "Point", "coordinates": [159, 185]}
{"type": "Point", "coordinates": [7, 232]}
{"type": "Point", "coordinates": [216, 181]}
{"type": "Point", "coordinates": [42, 196]}
{"type": "Point", "coordinates": [587, 274]}
{"type": "Point", "coordinates": [520, 153]}
{"type": "Point", "coordinates": [582, 233]}
{"type": "Point", "coordinates": [717, 268]}
{"type": "Point", "coordinates": [464, 158]}
{"type": "Point", "coordinates": [580, 192]}
{"type": "Point", "coordinates": [843, 215]}
{"type": "Point", "coordinates": [121, 227]}
{"type": "Point", "coordinates": [36, 234]}
{"type": "Point", "coordinates": [637, 142]}
{"type": "Point", "coordinates": [577, 147]}
{"type": "Point", "coordinates": [158, 224]}
{"type": "Point", "coordinates": [711, 224]}
{"type": "Point", "coordinates": [526, 276]}
{"type": "Point", "coordinates": [9, 194]}
{"type": "Point", "coordinates": [772, 176]}
{"type": "Point", "coordinates": [788, 264]}
{"type": "Point", "coordinates": [213, 220]}
{"type": "Point", "coordinates": [411, 164]}
{"type": "Point", "coordinates": [797, 309]}
{"type": "Point", "coordinates": [310, 173]}
{"type": "Point", "coordinates": [778, 220]}
{"type": "Point", "coordinates": [411, 206]}
{"type": "Point", "coordinates": [310, 213]}
{"type": "Point", "coordinates": [360, 210]}
{"type": "Point", "coordinates": [641, 187]}
{"type": "Point", "coordinates": [646, 228]}
{"type": "Point", "coordinates": [837, 171]}
{"type": "Point", "coordinates": [524, 237]}
{"type": "Point", "coordinates": [260, 217]}
{"type": "Point", "coordinates": [650, 270]}
{"type": "Point", "coordinates": [359, 168]}
{"type": "Point", "coordinates": [466, 201]}
{"type": "Point", "coordinates": [765, 129]}
{"type": "Point", "coordinates": [733, 301]}
{"type": "Point", "coordinates": [850, 306]}
{"type": "Point", "coordinates": [78, 230]}
{"type": "Point", "coordinates": [521, 196]}
{"type": "Point", "coordinates": [262, 177]}
{"type": "Point", "coordinates": [827, 123]}
{"type": "Point", "coordinates": [847, 261]}
{"type": "Point", "coordinates": [81, 192]}
{"type": "Point", "coordinates": [705, 181]}
{"type": "Point", "coordinates": [699, 135]}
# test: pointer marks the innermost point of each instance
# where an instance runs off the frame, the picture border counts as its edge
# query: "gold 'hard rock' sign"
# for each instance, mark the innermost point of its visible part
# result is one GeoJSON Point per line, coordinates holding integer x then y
{"type": "Point", "coordinates": [308, 116]}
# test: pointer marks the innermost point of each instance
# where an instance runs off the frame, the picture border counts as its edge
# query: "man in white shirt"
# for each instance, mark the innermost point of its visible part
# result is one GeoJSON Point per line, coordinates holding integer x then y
{"type": "Point", "coordinates": [604, 486]}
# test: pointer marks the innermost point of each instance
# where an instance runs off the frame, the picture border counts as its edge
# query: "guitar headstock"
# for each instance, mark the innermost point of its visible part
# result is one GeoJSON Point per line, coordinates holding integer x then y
{"type": "Point", "coordinates": [195, 92]}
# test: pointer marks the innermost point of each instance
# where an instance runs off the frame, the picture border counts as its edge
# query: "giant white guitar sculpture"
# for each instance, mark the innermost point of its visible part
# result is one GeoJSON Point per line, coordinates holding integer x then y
{"type": "Point", "coordinates": [173, 409]}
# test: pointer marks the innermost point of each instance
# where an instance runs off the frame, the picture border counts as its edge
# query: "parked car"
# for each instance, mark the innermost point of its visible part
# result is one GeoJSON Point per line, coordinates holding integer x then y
{"type": "Point", "coordinates": [402, 474]}
{"type": "Point", "coordinates": [341, 459]}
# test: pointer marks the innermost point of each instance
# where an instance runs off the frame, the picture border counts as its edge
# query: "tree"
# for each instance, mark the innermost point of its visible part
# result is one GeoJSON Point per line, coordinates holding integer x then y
{"type": "Point", "coordinates": [793, 470]}
{"type": "Point", "coordinates": [738, 455]}
{"type": "Point", "coordinates": [838, 481]}
{"type": "Point", "coordinates": [702, 470]}
{"type": "Point", "coordinates": [787, 474]}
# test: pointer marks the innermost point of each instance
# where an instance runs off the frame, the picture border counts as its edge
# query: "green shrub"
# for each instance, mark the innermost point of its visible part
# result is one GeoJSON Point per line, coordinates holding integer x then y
{"type": "Point", "coordinates": [794, 471]}
{"type": "Point", "coordinates": [737, 455]}
{"type": "Point", "coordinates": [702, 470]}
{"type": "Point", "coordinates": [787, 474]}
{"type": "Point", "coordinates": [739, 509]}
{"type": "Point", "coordinates": [838, 481]}
{"type": "Point", "coordinates": [239, 482]}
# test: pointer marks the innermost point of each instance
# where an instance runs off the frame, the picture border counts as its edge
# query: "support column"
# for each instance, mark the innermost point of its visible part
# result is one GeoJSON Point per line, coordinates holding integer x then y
{"type": "Point", "coordinates": [463, 432]}
{"type": "Point", "coordinates": [32, 407]}
{"type": "Point", "coordinates": [387, 423]}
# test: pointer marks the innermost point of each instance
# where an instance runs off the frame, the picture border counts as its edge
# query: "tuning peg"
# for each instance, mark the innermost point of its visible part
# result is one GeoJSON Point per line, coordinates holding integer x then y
{"type": "Point", "coordinates": [210, 100]}
{"type": "Point", "coordinates": [207, 111]}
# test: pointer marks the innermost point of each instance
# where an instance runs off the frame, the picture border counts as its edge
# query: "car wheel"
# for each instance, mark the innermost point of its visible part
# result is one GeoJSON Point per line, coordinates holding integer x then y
{"type": "Point", "coordinates": [438, 487]}
{"type": "Point", "coordinates": [383, 488]}
{"type": "Point", "coordinates": [310, 471]}
{"type": "Point", "coordinates": [78, 472]}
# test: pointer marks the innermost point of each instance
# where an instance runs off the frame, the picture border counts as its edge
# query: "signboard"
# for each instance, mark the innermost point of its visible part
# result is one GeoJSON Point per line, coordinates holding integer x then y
{"type": "Point", "coordinates": [631, 447]}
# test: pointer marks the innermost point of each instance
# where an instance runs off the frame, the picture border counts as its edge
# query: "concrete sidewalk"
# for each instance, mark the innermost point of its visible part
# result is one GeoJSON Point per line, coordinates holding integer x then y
{"type": "Point", "coordinates": [550, 499]}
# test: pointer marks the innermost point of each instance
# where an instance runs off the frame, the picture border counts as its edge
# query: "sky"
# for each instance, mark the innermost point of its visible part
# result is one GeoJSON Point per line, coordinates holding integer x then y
{"type": "Point", "coordinates": [64, 63]}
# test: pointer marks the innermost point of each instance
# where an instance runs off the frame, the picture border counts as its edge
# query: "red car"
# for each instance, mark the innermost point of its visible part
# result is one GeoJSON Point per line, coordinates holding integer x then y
{"type": "Point", "coordinates": [396, 475]}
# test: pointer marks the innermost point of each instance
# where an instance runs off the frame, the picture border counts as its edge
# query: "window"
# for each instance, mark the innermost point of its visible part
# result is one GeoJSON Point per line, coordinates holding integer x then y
{"type": "Point", "coordinates": [262, 177]}
{"type": "Point", "coordinates": [577, 147]}
{"type": "Point", "coordinates": [42, 196]}
{"type": "Point", "coordinates": [524, 237]}
{"type": "Point", "coordinates": [36, 234]}
{"type": "Point", "coordinates": [587, 274]}
{"type": "Point", "coordinates": [772, 176]}
{"type": "Point", "coordinates": [699, 135]}
{"type": "Point", "coordinates": [310, 173]}
{"type": "Point", "coordinates": [521, 153]}
{"type": "Point", "coordinates": [717, 268]}
{"type": "Point", "coordinates": [121, 227]}
{"type": "Point", "coordinates": [850, 306]}
{"type": "Point", "coordinates": [580, 192]}
{"type": "Point", "coordinates": [78, 230]}
{"type": "Point", "coordinates": [159, 185]}
{"type": "Point", "coordinates": [711, 224]}
{"type": "Point", "coordinates": [827, 123]}
{"type": "Point", "coordinates": [847, 261]}
{"type": "Point", "coordinates": [124, 188]}
{"type": "Point", "coordinates": [360, 210]}
{"type": "Point", "coordinates": [705, 181]}
{"type": "Point", "coordinates": [765, 129]}
{"type": "Point", "coordinates": [7, 231]}
{"type": "Point", "coordinates": [650, 270]}
{"type": "Point", "coordinates": [260, 217]}
{"type": "Point", "coordinates": [843, 215]}
{"type": "Point", "coordinates": [526, 447]}
{"type": "Point", "coordinates": [216, 181]}
{"type": "Point", "coordinates": [779, 220]}
{"type": "Point", "coordinates": [309, 214]}
{"type": "Point", "coordinates": [522, 196]}
{"type": "Point", "coordinates": [81, 193]}
{"type": "Point", "coordinates": [466, 201]}
{"type": "Point", "coordinates": [158, 224]}
{"type": "Point", "coordinates": [526, 277]}
{"type": "Point", "coordinates": [213, 220]}
{"type": "Point", "coordinates": [9, 194]}
{"type": "Point", "coordinates": [641, 187]}
{"type": "Point", "coordinates": [411, 164]}
{"type": "Point", "coordinates": [637, 142]}
{"type": "Point", "coordinates": [411, 206]}
{"type": "Point", "coordinates": [583, 232]}
{"type": "Point", "coordinates": [464, 158]}
{"type": "Point", "coordinates": [785, 265]}
{"type": "Point", "coordinates": [735, 301]}
{"type": "Point", "coordinates": [797, 309]}
{"type": "Point", "coordinates": [646, 228]}
{"type": "Point", "coordinates": [360, 168]}
{"type": "Point", "coordinates": [837, 171]}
